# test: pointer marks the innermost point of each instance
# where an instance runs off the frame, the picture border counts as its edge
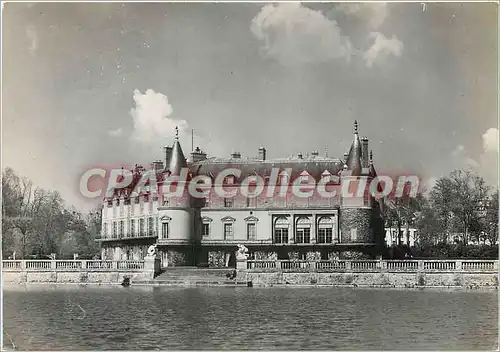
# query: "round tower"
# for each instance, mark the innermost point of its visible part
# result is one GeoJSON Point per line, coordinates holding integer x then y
{"type": "Point", "coordinates": [176, 238]}
{"type": "Point", "coordinates": [356, 207]}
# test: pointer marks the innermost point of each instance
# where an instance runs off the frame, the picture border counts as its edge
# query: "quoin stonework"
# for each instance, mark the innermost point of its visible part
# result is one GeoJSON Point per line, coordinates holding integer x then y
{"type": "Point", "coordinates": [192, 230]}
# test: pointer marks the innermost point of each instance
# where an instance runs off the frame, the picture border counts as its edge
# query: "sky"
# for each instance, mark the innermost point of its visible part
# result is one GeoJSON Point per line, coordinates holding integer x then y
{"type": "Point", "coordinates": [87, 84]}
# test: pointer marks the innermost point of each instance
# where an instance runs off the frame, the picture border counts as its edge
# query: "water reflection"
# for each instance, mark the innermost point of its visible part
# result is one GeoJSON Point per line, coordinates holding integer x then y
{"type": "Point", "coordinates": [96, 318]}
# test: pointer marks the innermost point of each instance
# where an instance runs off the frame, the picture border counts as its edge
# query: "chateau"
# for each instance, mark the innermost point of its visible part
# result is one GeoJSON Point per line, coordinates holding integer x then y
{"type": "Point", "coordinates": [206, 231]}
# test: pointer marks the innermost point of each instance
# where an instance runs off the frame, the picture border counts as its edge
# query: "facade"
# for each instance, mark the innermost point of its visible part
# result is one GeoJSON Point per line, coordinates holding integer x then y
{"type": "Point", "coordinates": [277, 224]}
{"type": "Point", "coordinates": [408, 236]}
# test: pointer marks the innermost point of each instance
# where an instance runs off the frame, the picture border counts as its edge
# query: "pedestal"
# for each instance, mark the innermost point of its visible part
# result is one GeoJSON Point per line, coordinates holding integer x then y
{"type": "Point", "coordinates": [152, 266]}
{"type": "Point", "coordinates": [241, 264]}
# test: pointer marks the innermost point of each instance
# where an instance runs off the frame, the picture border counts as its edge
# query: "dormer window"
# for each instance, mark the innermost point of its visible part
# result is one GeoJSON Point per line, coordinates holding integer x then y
{"type": "Point", "coordinates": [326, 176]}
{"type": "Point", "coordinates": [230, 180]}
{"type": "Point", "coordinates": [304, 176]}
{"type": "Point", "coordinates": [118, 202]}
{"type": "Point", "coordinates": [228, 202]}
{"type": "Point", "coordinates": [284, 177]}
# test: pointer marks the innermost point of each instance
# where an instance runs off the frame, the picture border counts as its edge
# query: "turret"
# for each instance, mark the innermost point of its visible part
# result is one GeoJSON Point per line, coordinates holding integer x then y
{"type": "Point", "coordinates": [356, 205]}
{"type": "Point", "coordinates": [176, 214]}
{"type": "Point", "coordinates": [355, 154]}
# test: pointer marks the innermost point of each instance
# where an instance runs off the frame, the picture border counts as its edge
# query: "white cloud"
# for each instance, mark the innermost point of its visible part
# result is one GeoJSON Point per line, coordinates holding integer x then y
{"type": "Point", "coordinates": [155, 128]}
{"type": "Point", "coordinates": [373, 14]}
{"type": "Point", "coordinates": [151, 118]}
{"type": "Point", "coordinates": [489, 157]}
{"type": "Point", "coordinates": [491, 140]}
{"type": "Point", "coordinates": [487, 166]}
{"type": "Point", "coordinates": [115, 133]}
{"type": "Point", "coordinates": [381, 48]}
{"type": "Point", "coordinates": [32, 36]}
{"type": "Point", "coordinates": [293, 34]}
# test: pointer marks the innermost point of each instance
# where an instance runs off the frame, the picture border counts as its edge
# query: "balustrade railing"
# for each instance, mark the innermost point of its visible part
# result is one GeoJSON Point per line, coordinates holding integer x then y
{"type": "Point", "coordinates": [375, 265]}
{"type": "Point", "coordinates": [72, 265]}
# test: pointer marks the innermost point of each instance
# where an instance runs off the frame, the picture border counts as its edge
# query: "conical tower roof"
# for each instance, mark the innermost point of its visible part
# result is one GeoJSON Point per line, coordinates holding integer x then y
{"type": "Point", "coordinates": [354, 157]}
{"type": "Point", "coordinates": [177, 158]}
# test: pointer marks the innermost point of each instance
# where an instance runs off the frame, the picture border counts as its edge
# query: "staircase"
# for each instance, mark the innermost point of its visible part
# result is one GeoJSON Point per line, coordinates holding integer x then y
{"type": "Point", "coordinates": [193, 276]}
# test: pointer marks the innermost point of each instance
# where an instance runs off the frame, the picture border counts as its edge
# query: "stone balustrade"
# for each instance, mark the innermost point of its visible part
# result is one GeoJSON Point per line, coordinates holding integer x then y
{"type": "Point", "coordinates": [72, 265]}
{"type": "Point", "coordinates": [79, 271]}
{"type": "Point", "coordinates": [374, 265]}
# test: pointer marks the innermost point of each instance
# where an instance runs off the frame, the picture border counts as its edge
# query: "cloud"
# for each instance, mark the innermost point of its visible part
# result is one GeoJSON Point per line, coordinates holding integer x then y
{"type": "Point", "coordinates": [382, 48]}
{"type": "Point", "coordinates": [293, 34]}
{"type": "Point", "coordinates": [491, 140]}
{"type": "Point", "coordinates": [115, 133]}
{"type": "Point", "coordinates": [489, 157]}
{"type": "Point", "coordinates": [373, 14]}
{"type": "Point", "coordinates": [32, 36]}
{"type": "Point", "coordinates": [487, 166]}
{"type": "Point", "coordinates": [151, 118]}
{"type": "Point", "coordinates": [153, 127]}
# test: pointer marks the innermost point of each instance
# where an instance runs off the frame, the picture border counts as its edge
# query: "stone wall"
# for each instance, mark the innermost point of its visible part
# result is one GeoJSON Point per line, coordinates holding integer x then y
{"type": "Point", "coordinates": [64, 277]}
{"type": "Point", "coordinates": [409, 280]}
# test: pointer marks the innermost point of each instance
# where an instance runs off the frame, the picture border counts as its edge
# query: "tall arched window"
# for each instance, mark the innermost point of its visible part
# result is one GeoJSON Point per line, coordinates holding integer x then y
{"type": "Point", "coordinates": [280, 234]}
{"type": "Point", "coordinates": [303, 230]}
{"type": "Point", "coordinates": [325, 230]}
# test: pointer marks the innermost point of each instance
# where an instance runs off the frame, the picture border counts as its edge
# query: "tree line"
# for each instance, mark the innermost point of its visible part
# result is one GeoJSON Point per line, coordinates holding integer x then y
{"type": "Point", "coordinates": [37, 223]}
{"type": "Point", "coordinates": [459, 212]}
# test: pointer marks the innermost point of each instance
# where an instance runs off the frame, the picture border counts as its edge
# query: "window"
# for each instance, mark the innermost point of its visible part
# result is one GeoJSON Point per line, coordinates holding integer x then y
{"type": "Point", "coordinates": [136, 200]}
{"type": "Point", "coordinates": [325, 235]}
{"type": "Point", "coordinates": [228, 231]}
{"type": "Point", "coordinates": [251, 231]}
{"type": "Point", "coordinates": [230, 180]}
{"type": "Point", "coordinates": [228, 203]}
{"type": "Point", "coordinates": [132, 228]}
{"type": "Point", "coordinates": [117, 202]}
{"type": "Point", "coordinates": [114, 229]}
{"type": "Point", "coordinates": [110, 203]}
{"type": "Point", "coordinates": [325, 230]}
{"type": "Point", "coordinates": [122, 228]}
{"type": "Point", "coordinates": [150, 226]}
{"type": "Point", "coordinates": [105, 229]}
{"type": "Point", "coordinates": [280, 233]}
{"type": "Point", "coordinates": [206, 229]}
{"type": "Point", "coordinates": [354, 235]}
{"type": "Point", "coordinates": [303, 230]}
{"type": "Point", "coordinates": [141, 227]}
{"type": "Point", "coordinates": [303, 235]}
{"type": "Point", "coordinates": [284, 178]}
{"type": "Point", "coordinates": [165, 229]}
{"type": "Point", "coordinates": [248, 201]}
{"type": "Point", "coordinates": [141, 207]}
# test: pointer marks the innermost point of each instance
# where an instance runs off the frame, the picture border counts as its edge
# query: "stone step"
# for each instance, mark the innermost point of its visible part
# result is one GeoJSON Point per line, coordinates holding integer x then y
{"type": "Point", "coordinates": [189, 283]}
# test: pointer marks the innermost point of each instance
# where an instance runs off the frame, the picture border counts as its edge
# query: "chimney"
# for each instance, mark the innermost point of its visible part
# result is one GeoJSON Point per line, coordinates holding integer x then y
{"type": "Point", "coordinates": [364, 152]}
{"type": "Point", "coordinates": [198, 155]}
{"type": "Point", "coordinates": [315, 153]}
{"type": "Point", "coordinates": [346, 155]}
{"type": "Point", "coordinates": [168, 155]}
{"type": "Point", "coordinates": [236, 155]}
{"type": "Point", "coordinates": [157, 165]}
{"type": "Point", "coordinates": [299, 155]}
{"type": "Point", "coordinates": [262, 153]}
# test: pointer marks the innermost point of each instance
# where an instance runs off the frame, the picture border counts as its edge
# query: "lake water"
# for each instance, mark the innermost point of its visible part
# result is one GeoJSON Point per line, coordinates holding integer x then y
{"type": "Point", "coordinates": [149, 318]}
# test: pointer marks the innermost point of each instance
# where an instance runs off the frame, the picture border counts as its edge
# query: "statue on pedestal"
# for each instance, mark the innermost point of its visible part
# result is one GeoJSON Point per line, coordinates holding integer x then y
{"type": "Point", "coordinates": [152, 251]}
{"type": "Point", "coordinates": [242, 252]}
